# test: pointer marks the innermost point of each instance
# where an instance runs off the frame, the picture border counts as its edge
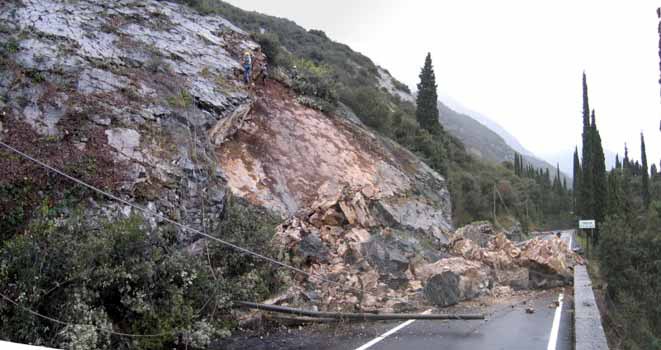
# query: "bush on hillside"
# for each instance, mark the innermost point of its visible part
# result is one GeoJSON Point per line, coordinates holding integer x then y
{"type": "Point", "coordinates": [370, 105]}
{"type": "Point", "coordinates": [122, 275]}
{"type": "Point", "coordinates": [270, 44]}
{"type": "Point", "coordinates": [401, 86]}
{"type": "Point", "coordinates": [315, 80]}
{"type": "Point", "coordinates": [630, 265]}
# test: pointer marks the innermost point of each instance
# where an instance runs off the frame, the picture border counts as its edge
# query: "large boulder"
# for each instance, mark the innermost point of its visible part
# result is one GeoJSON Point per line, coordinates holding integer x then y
{"type": "Point", "coordinates": [391, 258]}
{"type": "Point", "coordinates": [450, 280]}
{"type": "Point", "coordinates": [313, 249]}
{"type": "Point", "coordinates": [550, 261]}
{"type": "Point", "coordinates": [443, 289]}
{"type": "Point", "coordinates": [480, 232]}
{"type": "Point", "coordinates": [515, 232]}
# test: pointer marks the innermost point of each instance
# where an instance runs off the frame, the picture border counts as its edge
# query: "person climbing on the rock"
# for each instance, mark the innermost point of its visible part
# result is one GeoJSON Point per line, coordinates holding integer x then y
{"type": "Point", "coordinates": [263, 73]}
{"type": "Point", "coordinates": [295, 72]}
{"type": "Point", "coordinates": [247, 66]}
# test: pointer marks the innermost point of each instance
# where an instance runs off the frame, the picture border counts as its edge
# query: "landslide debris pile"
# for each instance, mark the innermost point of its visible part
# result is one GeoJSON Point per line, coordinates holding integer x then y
{"type": "Point", "coordinates": [341, 241]}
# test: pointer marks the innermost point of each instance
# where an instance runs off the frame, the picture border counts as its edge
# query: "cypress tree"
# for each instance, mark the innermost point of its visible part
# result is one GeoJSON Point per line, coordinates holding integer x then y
{"type": "Point", "coordinates": [576, 181]}
{"type": "Point", "coordinates": [625, 162]}
{"type": "Point", "coordinates": [586, 209]}
{"type": "Point", "coordinates": [643, 170]}
{"type": "Point", "coordinates": [586, 104]}
{"type": "Point", "coordinates": [615, 194]}
{"type": "Point", "coordinates": [600, 182]}
{"type": "Point", "coordinates": [653, 171]}
{"type": "Point", "coordinates": [557, 182]}
{"type": "Point", "coordinates": [618, 164]}
{"type": "Point", "coordinates": [427, 100]}
{"type": "Point", "coordinates": [516, 164]}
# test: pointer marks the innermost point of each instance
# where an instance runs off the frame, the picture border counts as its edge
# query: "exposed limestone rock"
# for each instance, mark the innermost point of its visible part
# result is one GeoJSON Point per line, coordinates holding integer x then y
{"type": "Point", "coordinates": [154, 77]}
{"type": "Point", "coordinates": [480, 232]}
{"type": "Point", "coordinates": [125, 142]}
{"type": "Point", "coordinates": [289, 158]}
{"type": "Point", "coordinates": [228, 126]}
{"type": "Point", "coordinates": [550, 262]}
{"type": "Point", "coordinates": [385, 81]}
{"type": "Point", "coordinates": [312, 248]}
{"type": "Point", "coordinates": [100, 81]}
{"type": "Point", "coordinates": [356, 211]}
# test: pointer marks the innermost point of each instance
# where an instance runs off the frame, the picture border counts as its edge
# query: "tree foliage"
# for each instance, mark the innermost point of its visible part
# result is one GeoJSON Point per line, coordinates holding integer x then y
{"type": "Point", "coordinates": [427, 99]}
{"type": "Point", "coordinates": [586, 191]}
{"type": "Point", "coordinates": [645, 174]}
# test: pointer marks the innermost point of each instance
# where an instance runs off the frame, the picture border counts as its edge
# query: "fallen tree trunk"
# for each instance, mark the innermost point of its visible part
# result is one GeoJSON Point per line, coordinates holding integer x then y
{"type": "Point", "coordinates": [298, 320]}
{"type": "Point", "coordinates": [359, 316]}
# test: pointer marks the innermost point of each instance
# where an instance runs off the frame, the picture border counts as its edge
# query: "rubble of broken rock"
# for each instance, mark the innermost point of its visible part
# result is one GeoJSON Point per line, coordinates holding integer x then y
{"type": "Point", "coordinates": [377, 271]}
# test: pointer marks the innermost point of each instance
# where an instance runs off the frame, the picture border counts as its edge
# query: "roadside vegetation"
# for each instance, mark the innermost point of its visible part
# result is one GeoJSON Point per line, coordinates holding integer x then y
{"type": "Point", "coordinates": [123, 275]}
{"type": "Point", "coordinates": [625, 248]}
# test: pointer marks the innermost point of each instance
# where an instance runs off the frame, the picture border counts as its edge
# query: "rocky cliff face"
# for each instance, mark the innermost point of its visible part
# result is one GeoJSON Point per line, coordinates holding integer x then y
{"type": "Point", "coordinates": [141, 81]}
{"type": "Point", "coordinates": [143, 98]}
{"type": "Point", "coordinates": [291, 158]}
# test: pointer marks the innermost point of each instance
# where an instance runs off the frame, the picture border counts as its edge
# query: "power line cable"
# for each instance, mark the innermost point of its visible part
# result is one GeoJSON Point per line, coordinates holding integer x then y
{"type": "Point", "coordinates": [180, 225]}
{"type": "Point", "coordinates": [64, 323]}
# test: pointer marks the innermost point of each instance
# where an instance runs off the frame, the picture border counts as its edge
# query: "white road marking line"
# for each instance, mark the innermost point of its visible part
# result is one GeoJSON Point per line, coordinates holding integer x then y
{"type": "Point", "coordinates": [392, 331]}
{"type": "Point", "coordinates": [555, 329]}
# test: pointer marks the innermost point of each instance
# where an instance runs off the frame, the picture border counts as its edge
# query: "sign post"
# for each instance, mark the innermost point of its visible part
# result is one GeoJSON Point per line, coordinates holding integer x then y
{"type": "Point", "coordinates": [585, 225]}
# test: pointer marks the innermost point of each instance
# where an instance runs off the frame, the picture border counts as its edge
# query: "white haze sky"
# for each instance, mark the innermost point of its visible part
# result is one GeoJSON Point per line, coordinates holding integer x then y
{"type": "Point", "coordinates": [517, 62]}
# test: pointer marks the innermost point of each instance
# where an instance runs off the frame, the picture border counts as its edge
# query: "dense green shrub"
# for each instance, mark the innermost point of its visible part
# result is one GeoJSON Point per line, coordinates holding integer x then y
{"type": "Point", "coordinates": [401, 86]}
{"type": "Point", "coordinates": [630, 254]}
{"type": "Point", "coordinates": [270, 44]}
{"type": "Point", "coordinates": [309, 78]}
{"type": "Point", "coordinates": [370, 105]}
{"type": "Point", "coordinates": [122, 275]}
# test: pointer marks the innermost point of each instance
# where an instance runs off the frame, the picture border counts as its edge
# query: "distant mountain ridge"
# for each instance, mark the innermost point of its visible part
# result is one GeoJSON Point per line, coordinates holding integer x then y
{"type": "Point", "coordinates": [566, 159]}
{"type": "Point", "coordinates": [480, 135]}
{"type": "Point", "coordinates": [510, 139]}
{"type": "Point", "coordinates": [484, 142]}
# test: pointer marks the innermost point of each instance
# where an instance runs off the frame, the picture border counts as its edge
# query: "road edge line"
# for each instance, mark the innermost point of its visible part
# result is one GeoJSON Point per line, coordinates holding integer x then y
{"type": "Point", "coordinates": [555, 328]}
{"type": "Point", "coordinates": [386, 334]}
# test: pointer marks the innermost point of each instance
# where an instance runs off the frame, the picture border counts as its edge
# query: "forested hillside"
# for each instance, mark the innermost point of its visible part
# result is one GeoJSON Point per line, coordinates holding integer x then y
{"type": "Point", "coordinates": [485, 143]}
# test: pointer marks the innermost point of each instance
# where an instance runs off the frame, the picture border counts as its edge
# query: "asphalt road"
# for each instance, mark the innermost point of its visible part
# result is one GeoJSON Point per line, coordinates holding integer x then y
{"type": "Point", "coordinates": [508, 326]}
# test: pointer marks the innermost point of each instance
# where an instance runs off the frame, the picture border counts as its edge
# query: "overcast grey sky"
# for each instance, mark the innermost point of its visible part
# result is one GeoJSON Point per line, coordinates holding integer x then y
{"type": "Point", "coordinates": [517, 61]}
